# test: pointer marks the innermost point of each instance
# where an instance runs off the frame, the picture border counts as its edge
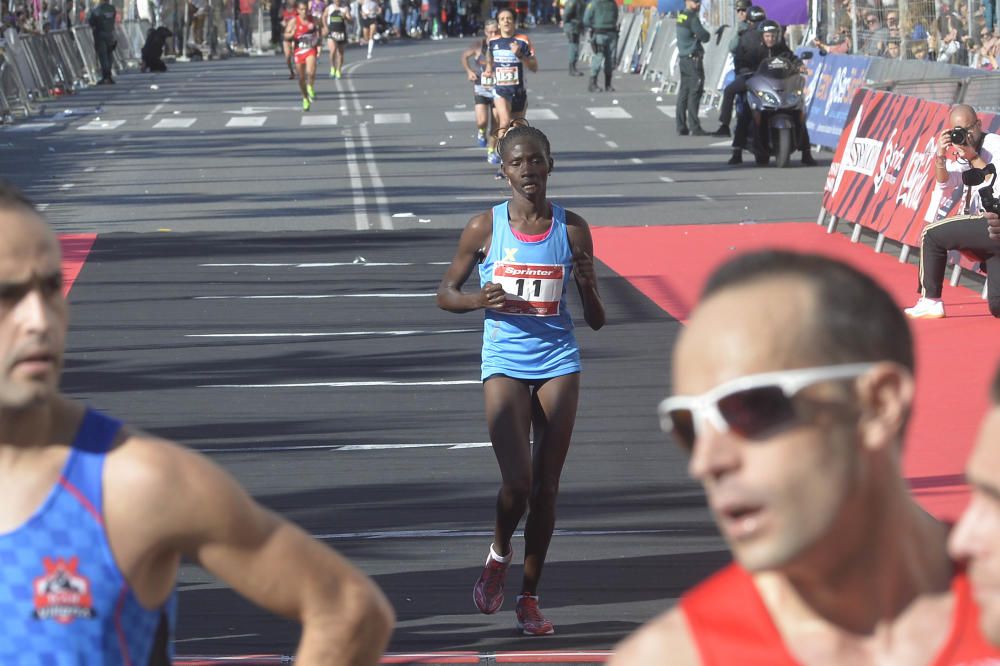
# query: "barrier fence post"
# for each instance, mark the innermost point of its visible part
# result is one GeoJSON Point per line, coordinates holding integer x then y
{"type": "Point", "coordinates": [879, 243]}
{"type": "Point", "coordinates": [904, 254]}
{"type": "Point", "coordinates": [856, 233]}
{"type": "Point", "coordinates": [821, 218]}
{"type": "Point", "coordinates": [184, 36]}
{"type": "Point", "coordinates": [832, 226]}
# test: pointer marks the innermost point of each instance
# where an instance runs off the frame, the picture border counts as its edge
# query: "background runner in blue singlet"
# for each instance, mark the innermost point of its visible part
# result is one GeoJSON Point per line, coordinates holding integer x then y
{"type": "Point", "coordinates": [506, 57]}
{"type": "Point", "coordinates": [526, 249]}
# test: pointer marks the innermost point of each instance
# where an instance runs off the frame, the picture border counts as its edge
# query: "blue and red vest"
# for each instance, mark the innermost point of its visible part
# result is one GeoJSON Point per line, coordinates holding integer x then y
{"type": "Point", "coordinates": [63, 600]}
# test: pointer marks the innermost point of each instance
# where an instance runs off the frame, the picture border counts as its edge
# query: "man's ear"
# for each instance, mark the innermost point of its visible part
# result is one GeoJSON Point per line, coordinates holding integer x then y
{"type": "Point", "coordinates": [885, 398]}
{"type": "Point", "coordinates": [552, 165]}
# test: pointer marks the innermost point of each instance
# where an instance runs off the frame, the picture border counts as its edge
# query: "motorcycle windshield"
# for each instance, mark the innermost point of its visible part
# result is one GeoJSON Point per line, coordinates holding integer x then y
{"type": "Point", "coordinates": [778, 68]}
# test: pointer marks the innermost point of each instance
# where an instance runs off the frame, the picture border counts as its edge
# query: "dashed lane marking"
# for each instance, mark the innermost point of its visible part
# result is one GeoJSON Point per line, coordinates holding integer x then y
{"type": "Point", "coordinates": [308, 121]}
{"type": "Point", "coordinates": [99, 125]}
{"type": "Point", "coordinates": [392, 118]}
{"type": "Point", "coordinates": [175, 123]}
{"type": "Point", "coordinates": [541, 114]}
{"type": "Point", "coordinates": [246, 121]}
{"type": "Point", "coordinates": [609, 112]}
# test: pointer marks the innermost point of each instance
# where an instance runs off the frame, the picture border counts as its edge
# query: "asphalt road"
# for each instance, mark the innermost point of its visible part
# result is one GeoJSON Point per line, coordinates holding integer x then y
{"type": "Point", "coordinates": [261, 290]}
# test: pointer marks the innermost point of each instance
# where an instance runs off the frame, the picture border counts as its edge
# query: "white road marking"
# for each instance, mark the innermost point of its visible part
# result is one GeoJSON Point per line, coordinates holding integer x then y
{"type": "Point", "coordinates": [541, 114]}
{"type": "Point", "coordinates": [610, 144]}
{"type": "Point", "coordinates": [312, 296]}
{"type": "Point", "coordinates": [602, 135]}
{"type": "Point", "coordinates": [719, 144]}
{"type": "Point", "coordinates": [212, 638]}
{"type": "Point", "coordinates": [97, 125]}
{"type": "Point", "coordinates": [109, 152]}
{"type": "Point", "coordinates": [635, 160]}
{"type": "Point", "coordinates": [460, 116]}
{"type": "Point", "coordinates": [551, 197]}
{"type": "Point", "coordinates": [609, 112]}
{"type": "Point", "coordinates": [90, 169]}
{"type": "Point", "coordinates": [667, 179]}
{"type": "Point", "coordinates": [333, 264]}
{"type": "Point", "coordinates": [705, 197]}
{"type": "Point", "coordinates": [455, 534]}
{"type": "Point", "coordinates": [589, 128]}
{"type": "Point", "coordinates": [29, 127]}
{"type": "Point", "coordinates": [348, 447]}
{"type": "Point", "coordinates": [767, 194]}
{"type": "Point", "coordinates": [671, 111]}
{"type": "Point", "coordinates": [385, 220]}
{"type": "Point", "coordinates": [246, 121]}
{"type": "Point", "coordinates": [156, 109]}
{"type": "Point", "coordinates": [311, 121]}
{"type": "Point", "coordinates": [457, 382]}
{"type": "Point", "coordinates": [41, 207]}
{"type": "Point", "coordinates": [329, 335]}
{"type": "Point", "coordinates": [175, 123]}
{"type": "Point", "coordinates": [391, 118]}
{"type": "Point", "coordinates": [357, 187]}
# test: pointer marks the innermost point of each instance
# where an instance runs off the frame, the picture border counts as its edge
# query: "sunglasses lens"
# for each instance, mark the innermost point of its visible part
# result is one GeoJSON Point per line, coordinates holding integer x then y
{"type": "Point", "coordinates": [680, 425]}
{"type": "Point", "coordinates": [755, 411]}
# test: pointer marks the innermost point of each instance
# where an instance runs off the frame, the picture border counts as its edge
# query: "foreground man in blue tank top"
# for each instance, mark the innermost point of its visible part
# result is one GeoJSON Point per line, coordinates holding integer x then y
{"type": "Point", "coordinates": [95, 516]}
{"type": "Point", "coordinates": [526, 250]}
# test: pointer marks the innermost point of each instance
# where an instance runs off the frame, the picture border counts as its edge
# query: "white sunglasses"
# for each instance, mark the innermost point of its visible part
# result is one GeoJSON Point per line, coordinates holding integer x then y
{"type": "Point", "coordinates": [748, 406]}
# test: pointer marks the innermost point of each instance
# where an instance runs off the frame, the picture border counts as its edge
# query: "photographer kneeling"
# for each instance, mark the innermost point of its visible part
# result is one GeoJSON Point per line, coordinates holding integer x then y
{"type": "Point", "coordinates": [962, 148]}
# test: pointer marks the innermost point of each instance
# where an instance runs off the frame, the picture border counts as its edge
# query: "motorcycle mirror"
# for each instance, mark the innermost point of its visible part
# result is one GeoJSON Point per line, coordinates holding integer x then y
{"type": "Point", "coordinates": [807, 55]}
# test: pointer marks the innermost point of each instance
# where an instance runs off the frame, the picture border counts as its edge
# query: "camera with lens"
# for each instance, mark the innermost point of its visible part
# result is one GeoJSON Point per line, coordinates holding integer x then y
{"type": "Point", "coordinates": [958, 136]}
{"type": "Point", "coordinates": [974, 177]}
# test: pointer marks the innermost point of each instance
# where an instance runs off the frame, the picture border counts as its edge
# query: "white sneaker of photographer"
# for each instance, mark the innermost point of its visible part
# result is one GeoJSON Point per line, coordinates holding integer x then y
{"type": "Point", "coordinates": [926, 308]}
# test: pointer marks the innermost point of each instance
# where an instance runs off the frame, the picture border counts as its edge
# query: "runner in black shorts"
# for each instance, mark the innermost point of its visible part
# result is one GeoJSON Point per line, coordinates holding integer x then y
{"type": "Point", "coordinates": [486, 122]}
{"type": "Point", "coordinates": [336, 18]}
{"type": "Point", "coordinates": [507, 56]}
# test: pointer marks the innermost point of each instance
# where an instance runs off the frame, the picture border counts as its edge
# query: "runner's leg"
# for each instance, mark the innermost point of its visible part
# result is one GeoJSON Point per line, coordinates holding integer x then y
{"type": "Point", "coordinates": [554, 407]}
{"type": "Point", "coordinates": [508, 417]}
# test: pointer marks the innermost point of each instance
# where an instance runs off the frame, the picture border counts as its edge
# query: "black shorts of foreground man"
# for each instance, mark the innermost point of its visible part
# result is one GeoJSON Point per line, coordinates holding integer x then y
{"type": "Point", "coordinates": [963, 146]}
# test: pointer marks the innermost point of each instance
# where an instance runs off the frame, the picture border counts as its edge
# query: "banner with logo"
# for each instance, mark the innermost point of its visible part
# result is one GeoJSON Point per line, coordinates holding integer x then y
{"type": "Point", "coordinates": [830, 87]}
{"type": "Point", "coordinates": [882, 175]}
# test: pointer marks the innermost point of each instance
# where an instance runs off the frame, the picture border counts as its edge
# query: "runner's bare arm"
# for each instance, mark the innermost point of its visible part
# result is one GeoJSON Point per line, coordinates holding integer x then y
{"type": "Point", "coordinates": [472, 247]}
{"type": "Point", "coordinates": [664, 641]}
{"type": "Point", "coordinates": [582, 245]}
{"type": "Point", "coordinates": [164, 501]}
{"type": "Point", "coordinates": [470, 52]}
{"type": "Point", "coordinates": [290, 29]}
{"type": "Point", "coordinates": [529, 59]}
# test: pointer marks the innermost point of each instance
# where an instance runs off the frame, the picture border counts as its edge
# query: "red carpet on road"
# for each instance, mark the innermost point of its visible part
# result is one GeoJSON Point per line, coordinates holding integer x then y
{"type": "Point", "coordinates": [75, 248]}
{"type": "Point", "coordinates": [956, 356]}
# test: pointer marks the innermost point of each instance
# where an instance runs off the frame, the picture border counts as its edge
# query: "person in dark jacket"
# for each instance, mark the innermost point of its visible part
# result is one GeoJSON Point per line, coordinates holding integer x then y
{"type": "Point", "coordinates": [102, 21]}
{"type": "Point", "coordinates": [572, 26]}
{"type": "Point", "coordinates": [601, 20]}
{"type": "Point", "coordinates": [691, 34]}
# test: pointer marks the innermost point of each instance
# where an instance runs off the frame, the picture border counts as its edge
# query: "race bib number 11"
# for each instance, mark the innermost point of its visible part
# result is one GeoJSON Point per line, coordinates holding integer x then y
{"type": "Point", "coordinates": [530, 289]}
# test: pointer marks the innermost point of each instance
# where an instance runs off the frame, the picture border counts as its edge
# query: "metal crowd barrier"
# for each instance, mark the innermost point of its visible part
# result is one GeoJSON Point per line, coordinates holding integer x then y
{"type": "Point", "coordinates": [84, 38]}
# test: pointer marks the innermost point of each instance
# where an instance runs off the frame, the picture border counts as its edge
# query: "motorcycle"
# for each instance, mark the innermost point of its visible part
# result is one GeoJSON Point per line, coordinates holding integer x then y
{"type": "Point", "coordinates": [776, 96]}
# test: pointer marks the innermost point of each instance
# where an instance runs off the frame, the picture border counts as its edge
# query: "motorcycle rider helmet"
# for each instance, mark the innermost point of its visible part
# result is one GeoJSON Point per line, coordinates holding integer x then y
{"type": "Point", "coordinates": [756, 14]}
{"type": "Point", "coordinates": [769, 26]}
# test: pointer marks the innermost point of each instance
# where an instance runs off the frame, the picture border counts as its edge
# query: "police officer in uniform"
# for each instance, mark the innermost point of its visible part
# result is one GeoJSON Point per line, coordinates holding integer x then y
{"type": "Point", "coordinates": [102, 22]}
{"type": "Point", "coordinates": [601, 19]}
{"type": "Point", "coordinates": [572, 26]}
{"type": "Point", "coordinates": [690, 36]}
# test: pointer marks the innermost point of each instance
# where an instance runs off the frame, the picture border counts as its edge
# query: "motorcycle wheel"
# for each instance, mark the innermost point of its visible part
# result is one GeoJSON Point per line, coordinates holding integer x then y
{"type": "Point", "coordinates": [783, 152]}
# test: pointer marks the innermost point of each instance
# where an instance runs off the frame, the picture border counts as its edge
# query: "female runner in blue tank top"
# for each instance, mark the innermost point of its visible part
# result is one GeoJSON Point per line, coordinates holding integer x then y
{"type": "Point", "coordinates": [526, 249]}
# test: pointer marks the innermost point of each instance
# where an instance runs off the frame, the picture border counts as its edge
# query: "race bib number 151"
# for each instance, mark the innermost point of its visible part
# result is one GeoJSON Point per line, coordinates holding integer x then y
{"type": "Point", "coordinates": [530, 289]}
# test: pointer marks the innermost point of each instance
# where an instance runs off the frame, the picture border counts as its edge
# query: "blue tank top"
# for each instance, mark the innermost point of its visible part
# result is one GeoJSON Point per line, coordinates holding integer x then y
{"type": "Point", "coordinates": [63, 600]}
{"type": "Point", "coordinates": [532, 338]}
{"type": "Point", "coordinates": [508, 71]}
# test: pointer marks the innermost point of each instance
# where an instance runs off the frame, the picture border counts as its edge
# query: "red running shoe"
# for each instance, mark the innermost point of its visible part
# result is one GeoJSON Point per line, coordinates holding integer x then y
{"type": "Point", "coordinates": [488, 592]}
{"type": "Point", "coordinates": [530, 620]}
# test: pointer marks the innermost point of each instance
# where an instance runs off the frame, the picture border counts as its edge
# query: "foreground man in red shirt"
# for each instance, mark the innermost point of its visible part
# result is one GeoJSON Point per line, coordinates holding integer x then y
{"type": "Point", "coordinates": [976, 537]}
{"type": "Point", "coordinates": [794, 384]}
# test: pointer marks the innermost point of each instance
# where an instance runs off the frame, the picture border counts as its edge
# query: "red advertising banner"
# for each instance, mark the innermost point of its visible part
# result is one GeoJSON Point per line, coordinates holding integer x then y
{"type": "Point", "coordinates": [882, 175]}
